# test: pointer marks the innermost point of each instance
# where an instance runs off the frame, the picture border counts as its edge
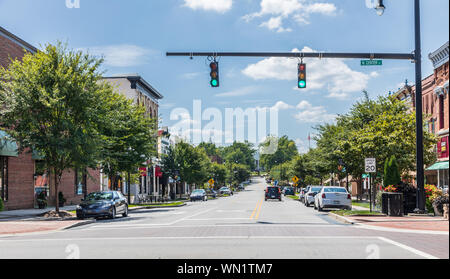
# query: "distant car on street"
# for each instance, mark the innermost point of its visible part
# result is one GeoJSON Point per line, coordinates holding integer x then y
{"type": "Point", "coordinates": [333, 197]}
{"type": "Point", "coordinates": [211, 192]}
{"type": "Point", "coordinates": [198, 195]}
{"type": "Point", "coordinates": [273, 193]}
{"type": "Point", "coordinates": [303, 192]}
{"type": "Point", "coordinates": [241, 187]}
{"type": "Point", "coordinates": [103, 204]}
{"type": "Point", "coordinates": [225, 191]}
{"type": "Point", "coordinates": [312, 192]}
{"type": "Point", "coordinates": [289, 191]}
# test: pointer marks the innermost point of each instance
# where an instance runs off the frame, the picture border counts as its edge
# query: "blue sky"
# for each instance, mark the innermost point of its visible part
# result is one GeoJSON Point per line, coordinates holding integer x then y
{"type": "Point", "coordinates": [134, 35]}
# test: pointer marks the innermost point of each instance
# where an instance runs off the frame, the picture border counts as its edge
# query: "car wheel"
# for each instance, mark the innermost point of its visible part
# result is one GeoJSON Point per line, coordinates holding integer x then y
{"type": "Point", "coordinates": [80, 217]}
{"type": "Point", "coordinates": [307, 204]}
{"type": "Point", "coordinates": [125, 213]}
{"type": "Point", "coordinates": [112, 214]}
{"type": "Point", "coordinates": [320, 208]}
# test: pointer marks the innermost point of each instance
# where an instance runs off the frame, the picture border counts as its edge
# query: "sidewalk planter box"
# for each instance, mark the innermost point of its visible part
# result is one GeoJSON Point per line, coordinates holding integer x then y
{"type": "Point", "coordinates": [392, 204]}
{"type": "Point", "coordinates": [409, 202]}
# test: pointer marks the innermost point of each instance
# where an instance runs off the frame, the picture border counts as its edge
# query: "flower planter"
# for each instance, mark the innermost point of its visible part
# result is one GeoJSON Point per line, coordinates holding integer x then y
{"type": "Point", "coordinates": [437, 211]}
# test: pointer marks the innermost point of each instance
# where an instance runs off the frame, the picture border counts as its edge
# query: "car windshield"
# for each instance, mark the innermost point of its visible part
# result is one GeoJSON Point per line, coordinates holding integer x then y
{"type": "Point", "coordinates": [100, 196]}
{"type": "Point", "coordinates": [272, 189]}
{"type": "Point", "coordinates": [197, 192]}
{"type": "Point", "coordinates": [224, 188]}
{"type": "Point", "coordinates": [315, 189]}
{"type": "Point", "coordinates": [335, 190]}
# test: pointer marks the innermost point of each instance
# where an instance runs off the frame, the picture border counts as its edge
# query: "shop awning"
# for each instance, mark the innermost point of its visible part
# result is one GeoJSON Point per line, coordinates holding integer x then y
{"type": "Point", "coordinates": [8, 147]}
{"type": "Point", "coordinates": [439, 166]}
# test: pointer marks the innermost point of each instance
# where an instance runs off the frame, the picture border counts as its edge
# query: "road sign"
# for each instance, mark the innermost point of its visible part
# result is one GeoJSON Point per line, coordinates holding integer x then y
{"type": "Point", "coordinates": [211, 182]}
{"type": "Point", "coordinates": [371, 62]}
{"type": "Point", "coordinates": [275, 183]}
{"type": "Point", "coordinates": [371, 165]}
{"type": "Point", "coordinates": [295, 179]}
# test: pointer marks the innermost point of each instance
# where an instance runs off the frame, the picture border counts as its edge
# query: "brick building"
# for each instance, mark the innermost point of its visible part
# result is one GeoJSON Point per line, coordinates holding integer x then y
{"type": "Point", "coordinates": [136, 88]}
{"type": "Point", "coordinates": [435, 106]}
{"type": "Point", "coordinates": [21, 175]}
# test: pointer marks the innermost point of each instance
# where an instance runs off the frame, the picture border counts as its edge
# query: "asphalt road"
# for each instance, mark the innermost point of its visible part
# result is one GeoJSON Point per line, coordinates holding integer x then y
{"type": "Point", "coordinates": [242, 226]}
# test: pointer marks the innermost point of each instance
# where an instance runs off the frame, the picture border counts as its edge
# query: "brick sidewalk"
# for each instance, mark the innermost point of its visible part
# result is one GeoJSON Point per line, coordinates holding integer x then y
{"type": "Point", "coordinates": [19, 227]}
{"type": "Point", "coordinates": [407, 223]}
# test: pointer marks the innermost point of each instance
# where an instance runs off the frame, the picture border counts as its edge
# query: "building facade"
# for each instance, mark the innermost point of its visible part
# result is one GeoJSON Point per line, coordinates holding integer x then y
{"type": "Point", "coordinates": [22, 176]}
{"type": "Point", "coordinates": [135, 88]}
{"type": "Point", "coordinates": [435, 106]}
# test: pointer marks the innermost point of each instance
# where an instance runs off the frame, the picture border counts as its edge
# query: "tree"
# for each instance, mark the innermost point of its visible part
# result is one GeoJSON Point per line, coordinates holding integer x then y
{"type": "Point", "coordinates": [240, 153]}
{"type": "Point", "coordinates": [391, 173]}
{"type": "Point", "coordinates": [129, 137]}
{"type": "Point", "coordinates": [219, 173]}
{"type": "Point", "coordinates": [286, 150]}
{"type": "Point", "coordinates": [52, 102]}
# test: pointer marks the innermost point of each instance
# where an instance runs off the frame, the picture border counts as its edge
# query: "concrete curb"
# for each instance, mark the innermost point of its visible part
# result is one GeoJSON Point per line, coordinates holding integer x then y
{"type": "Point", "coordinates": [155, 207]}
{"type": "Point", "coordinates": [79, 224]}
{"type": "Point", "coordinates": [341, 218]}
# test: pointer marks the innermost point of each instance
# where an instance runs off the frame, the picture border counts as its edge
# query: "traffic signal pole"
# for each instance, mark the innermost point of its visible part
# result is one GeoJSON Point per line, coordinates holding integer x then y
{"type": "Point", "coordinates": [415, 57]}
{"type": "Point", "coordinates": [394, 56]}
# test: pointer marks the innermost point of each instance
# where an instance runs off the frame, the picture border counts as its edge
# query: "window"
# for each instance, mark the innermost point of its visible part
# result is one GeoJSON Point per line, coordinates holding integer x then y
{"type": "Point", "coordinates": [441, 112]}
{"type": "Point", "coordinates": [80, 183]}
{"type": "Point", "coordinates": [4, 178]}
{"type": "Point", "coordinates": [41, 178]}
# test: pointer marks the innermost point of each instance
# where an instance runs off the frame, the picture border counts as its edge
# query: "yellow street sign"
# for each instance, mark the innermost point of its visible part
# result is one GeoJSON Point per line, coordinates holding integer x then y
{"type": "Point", "coordinates": [211, 182]}
{"type": "Point", "coordinates": [295, 179]}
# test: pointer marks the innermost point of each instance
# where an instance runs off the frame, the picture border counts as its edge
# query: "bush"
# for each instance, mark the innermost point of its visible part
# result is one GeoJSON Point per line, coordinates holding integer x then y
{"type": "Point", "coordinates": [1, 205]}
{"type": "Point", "coordinates": [440, 201]}
{"type": "Point", "coordinates": [391, 173]}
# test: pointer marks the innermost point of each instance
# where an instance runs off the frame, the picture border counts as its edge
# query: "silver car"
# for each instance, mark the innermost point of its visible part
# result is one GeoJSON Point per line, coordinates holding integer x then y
{"type": "Point", "coordinates": [333, 197]}
{"type": "Point", "coordinates": [312, 192]}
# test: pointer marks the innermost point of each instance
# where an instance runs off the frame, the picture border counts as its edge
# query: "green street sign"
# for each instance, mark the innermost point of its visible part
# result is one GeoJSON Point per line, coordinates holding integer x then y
{"type": "Point", "coordinates": [371, 62]}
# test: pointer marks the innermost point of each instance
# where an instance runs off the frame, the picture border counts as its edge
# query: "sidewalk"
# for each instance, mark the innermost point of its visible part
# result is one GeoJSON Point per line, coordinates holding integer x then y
{"type": "Point", "coordinates": [424, 224]}
{"type": "Point", "coordinates": [23, 213]}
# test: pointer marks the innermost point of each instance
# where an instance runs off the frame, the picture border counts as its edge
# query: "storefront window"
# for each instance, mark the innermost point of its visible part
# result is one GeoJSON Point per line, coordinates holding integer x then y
{"type": "Point", "coordinates": [4, 178]}
{"type": "Point", "coordinates": [80, 182]}
{"type": "Point", "coordinates": [41, 179]}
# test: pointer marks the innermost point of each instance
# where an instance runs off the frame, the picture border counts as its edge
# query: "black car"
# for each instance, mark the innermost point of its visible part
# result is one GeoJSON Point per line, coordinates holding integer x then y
{"type": "Point", "coordinates": [103, 204]}
{"type": "Point", "coordinates": [273, 193]}
{"type": "Point", "coordinates": [289, 191]}
{"type": "Point", "coordinates": [199, 195]}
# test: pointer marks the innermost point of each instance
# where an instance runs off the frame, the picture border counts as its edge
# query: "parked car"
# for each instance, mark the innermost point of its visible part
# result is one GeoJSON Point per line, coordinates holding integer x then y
{"type": "Point", "coordinates": [212, 193]}
{"type": "Point", "coordinates": [312, 192]}
{"type": "Point", "coordinates": [333, 197]}
{"type": "Point", "coordinates": [103, 204]}
{"type": "Point", "coordinates": [241, 187]}
{"type": "Point", "coordinates": [273, 193]}
{"type": "Point", "coordinates": [303, 192]}
{"type": "Point", "coordinates": [289, 191]}
{"type": "Point", "coordinates": [198, 195]}
{"type": "Point", "coordinates": [225, 191]}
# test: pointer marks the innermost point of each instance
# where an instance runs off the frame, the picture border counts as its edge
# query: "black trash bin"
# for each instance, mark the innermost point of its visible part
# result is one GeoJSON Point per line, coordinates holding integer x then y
{"type": "Point", "coordinates": [392, 204]}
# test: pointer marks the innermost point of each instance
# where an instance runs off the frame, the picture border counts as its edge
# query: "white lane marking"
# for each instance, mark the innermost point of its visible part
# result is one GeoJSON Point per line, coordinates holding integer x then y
{"type": "Point", "coordinates": [214, 219]}
{"type": "Point", "coordinates": [250, 225]}
{"type": "Point", "coordinates": [384, 229]}
{"type": "Point", "coordinates": [191, 237]}
{"type": "Point", "coordinates": [151, 225]}
{"type": "Point", "coordinates": [407, 248]}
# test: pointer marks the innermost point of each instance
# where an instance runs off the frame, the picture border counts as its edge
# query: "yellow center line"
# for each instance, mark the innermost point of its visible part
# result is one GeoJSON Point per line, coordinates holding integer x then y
{"type": "Point", "coordinates": [259, 210]}
{"type": "Point", "coordinates": [256, 208]}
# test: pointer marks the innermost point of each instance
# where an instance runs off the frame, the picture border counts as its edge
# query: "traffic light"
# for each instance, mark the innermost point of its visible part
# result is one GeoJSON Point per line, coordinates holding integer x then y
{"type": "Point", "coordinates": [301, 75]}
{"type": "Point", "coordinates": [214, 74]}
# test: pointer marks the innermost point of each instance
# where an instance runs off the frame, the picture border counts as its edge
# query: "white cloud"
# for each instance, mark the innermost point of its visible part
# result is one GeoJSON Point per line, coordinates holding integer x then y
{"type": "Point", "coordinates": [311, 114]}
{"type": "Point", "coordinates": [220, 6]}
{"type": "Point", "coordinates": [299, 10]}
{"type": "Point", "coordinates": [275, 23]}
{"type": "Point", "coordinates": [280, 105]}
{"type": "Point", "coordinates": [331, 74]}
{"type": "Point", "coordinates": [121, 55]}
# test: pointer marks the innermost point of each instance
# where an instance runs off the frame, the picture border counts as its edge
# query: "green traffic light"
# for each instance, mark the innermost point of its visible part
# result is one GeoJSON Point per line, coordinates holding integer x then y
{"type": "Point", "coordinates": [214, 83]}
{"type": "Point", "coordinates": [302, 84]}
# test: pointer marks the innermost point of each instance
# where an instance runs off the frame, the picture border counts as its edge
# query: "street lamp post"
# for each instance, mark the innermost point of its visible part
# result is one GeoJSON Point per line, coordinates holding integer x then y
{"type": "Point", "coordinates": [420, 203]}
